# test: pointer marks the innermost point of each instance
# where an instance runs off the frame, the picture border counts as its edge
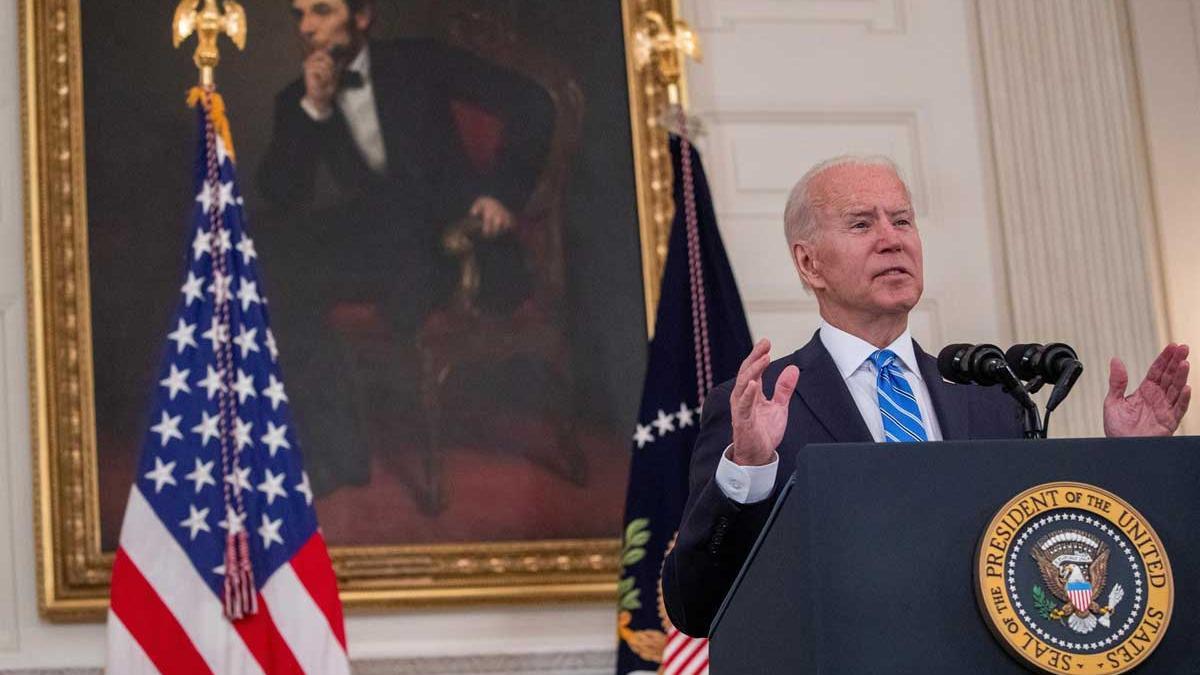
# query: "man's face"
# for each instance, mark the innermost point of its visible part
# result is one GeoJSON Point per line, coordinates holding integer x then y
{"type": "Point", "coordinates": [330, 25]}
{"type": "Point", "coordinates": [865, 257]}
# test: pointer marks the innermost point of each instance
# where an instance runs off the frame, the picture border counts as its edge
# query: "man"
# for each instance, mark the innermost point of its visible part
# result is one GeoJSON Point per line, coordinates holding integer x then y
{"type": "Point", "coordinates": [370, 124]}
{"type": "Point", "coordinates": [854, 241]}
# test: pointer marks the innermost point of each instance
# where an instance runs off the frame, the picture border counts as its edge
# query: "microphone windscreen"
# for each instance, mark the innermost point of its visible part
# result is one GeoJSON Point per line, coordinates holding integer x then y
{"type": "Point", "coordinates": [1020, 359]}
{"type": "Point", "coordinates": [950, 364]}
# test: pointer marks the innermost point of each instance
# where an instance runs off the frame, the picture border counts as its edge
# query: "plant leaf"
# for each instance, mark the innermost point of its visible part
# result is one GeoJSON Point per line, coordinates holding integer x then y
{"type": "Point", "coordinates": [640, 539]}
{"type": "Point", "coordinates": [631, 600]}
{"type": "Point", "coordinates": [632, 556]}
{"type": "Point", "coordinates": [625, 584]}
{"type": "Point", "coordinates": [636, 525]}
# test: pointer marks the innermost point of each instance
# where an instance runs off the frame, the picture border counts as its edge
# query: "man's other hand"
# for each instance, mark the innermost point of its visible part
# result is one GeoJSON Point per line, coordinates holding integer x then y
{"type": "Point", "coordinates": [495, 217]}
{"type": "Point", "coordinates": [1157, 405]}
{"type": "Point", "coordinates": [759, 422]}
{"type": "Point", "coordinates": [320, 81]}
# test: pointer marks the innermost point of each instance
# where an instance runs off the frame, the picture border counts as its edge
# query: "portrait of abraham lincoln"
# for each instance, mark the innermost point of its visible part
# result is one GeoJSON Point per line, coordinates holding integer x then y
{"type": "Point", "coordinates": [441, 196]}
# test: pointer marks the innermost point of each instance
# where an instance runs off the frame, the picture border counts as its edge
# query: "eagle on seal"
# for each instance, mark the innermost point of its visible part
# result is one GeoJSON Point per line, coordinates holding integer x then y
{"type": "Point", "coordinates": [1074, 565]}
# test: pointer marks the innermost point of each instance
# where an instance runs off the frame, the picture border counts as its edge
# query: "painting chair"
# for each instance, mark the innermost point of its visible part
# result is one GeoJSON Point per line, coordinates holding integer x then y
{"type": "Point", "coordinates": [462, 338]}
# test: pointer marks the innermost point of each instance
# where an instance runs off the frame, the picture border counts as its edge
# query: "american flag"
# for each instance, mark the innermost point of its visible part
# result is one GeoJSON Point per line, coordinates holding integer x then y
{"type": "Point", "coordinates": [700, 338]}
{"type": "Point", "coordinates": [221, 567]}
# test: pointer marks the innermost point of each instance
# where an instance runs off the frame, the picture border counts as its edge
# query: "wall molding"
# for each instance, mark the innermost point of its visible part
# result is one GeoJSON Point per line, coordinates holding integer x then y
{"type": "Point", "coordinates": [876, 16]}
{"type": "Point", "coordinates": [909, 123]}
{"type": "Point", "coordinates": [590, 662]}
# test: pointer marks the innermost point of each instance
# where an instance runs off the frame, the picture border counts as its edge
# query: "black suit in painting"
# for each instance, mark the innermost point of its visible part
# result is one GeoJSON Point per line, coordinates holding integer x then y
{"type": "Point", "coordinates": [377, 240]}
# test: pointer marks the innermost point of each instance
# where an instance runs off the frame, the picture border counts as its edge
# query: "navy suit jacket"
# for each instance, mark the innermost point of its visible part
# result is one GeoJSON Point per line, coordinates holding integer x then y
{"type": "Point", "coordinates": [716, 533]}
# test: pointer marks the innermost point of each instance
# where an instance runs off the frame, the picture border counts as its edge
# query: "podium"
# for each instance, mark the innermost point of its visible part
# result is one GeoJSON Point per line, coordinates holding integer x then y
{"type": "Point", "coordinates": [868, 563]}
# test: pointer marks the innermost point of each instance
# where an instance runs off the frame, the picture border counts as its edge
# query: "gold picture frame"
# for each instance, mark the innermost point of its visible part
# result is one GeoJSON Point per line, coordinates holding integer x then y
{"type": "Point", "coordinates": [73, 571]}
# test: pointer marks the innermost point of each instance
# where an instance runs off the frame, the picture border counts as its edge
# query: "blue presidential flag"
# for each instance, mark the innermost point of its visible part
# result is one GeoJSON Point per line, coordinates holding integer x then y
{"type": "Point", "coordinates": [700, 339]}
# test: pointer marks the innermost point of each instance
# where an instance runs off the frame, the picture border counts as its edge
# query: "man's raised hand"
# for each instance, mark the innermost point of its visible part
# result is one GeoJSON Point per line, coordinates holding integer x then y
{"type": "Point", "coordinates": [759, 422]}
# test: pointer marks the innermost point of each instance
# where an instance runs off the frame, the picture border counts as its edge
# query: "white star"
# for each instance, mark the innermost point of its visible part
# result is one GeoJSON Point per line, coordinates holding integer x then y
{"type": "Point", "coordinates": [205, 197]}
{"type": "Point", "coordinates": [271, 346]}
{"type": "Point", "coordinates": [191, 289]}
{"type": "Point", "coordinates": [246, 340]}
{"type": "Point", "coordinates": [217, 334]}
{"type": "Point", "coordinates": [226, 195]}
{"type": "Point", "coordinates": [272, 486]}
{"type": "Point", "coordinates": [241, 433]}
{"type": "Point", "coordinates": [244, 387]}
{"type": "Point", "coordinates": [168, 428]}
{"type": "Point", "coordinates": [202, 243]}
{"type": "Point", "coordinates": [275, 393]}
{"type": "Point", "coordinates": [239, 480]}
{"type": "Point", "coordinates": [233, 522]}
{"type": "Point", "coordinates": [162, 474]}
{"type": "Point", "coordinates": [246, 248]}
{"type": "Point", "coordinates": [176, 382]}
{"type": "Point", "coordinates": [202, 475]}
{"type": "Point", "coordinates": [304, 488]}
{"type": "Point", "coordinates": [207, 429]}
{"type": "Point", "coordinates": [684, 416]}
{"type": "Point", "coordinates": [643, 436]}
{"type": "Point", "coordinates": [248, 293]}
{"type": "Point", "coordinates": [269, 531]}
{"type": "Point", "coordinates": [219, 570]}
{"type": "Point", "coordinates": [184, 336]}
{"type": "Point", "coordinates": [274, 437]}
{"type": "Point", "coordinates": [220, 287]}
{"type": "Point", "coordinates": [197, 521]}
{"type": "Point", "coordinates": [223, 241]}
{"type": "Point", "coordinates": [222, 152]}
{"type": "Point", "coordinates": [212, 382]}
{"type": "Point", "coordinates": [664, 423]}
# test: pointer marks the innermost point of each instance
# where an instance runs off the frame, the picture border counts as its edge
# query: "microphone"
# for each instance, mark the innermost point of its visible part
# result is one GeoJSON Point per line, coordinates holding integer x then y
{"type": "Point", "coordinates": [984, 364]}
{"type": "Point", "coordinates": [1049, 361]}
{"type": "Point", "coordinates": [981, 364]}
{"type": "Point", "coordinates": [1055, 362]}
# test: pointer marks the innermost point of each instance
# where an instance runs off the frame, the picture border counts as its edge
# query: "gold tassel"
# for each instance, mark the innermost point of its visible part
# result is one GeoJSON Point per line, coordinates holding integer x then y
{"type": "Point", "coordinates": [217, 113]}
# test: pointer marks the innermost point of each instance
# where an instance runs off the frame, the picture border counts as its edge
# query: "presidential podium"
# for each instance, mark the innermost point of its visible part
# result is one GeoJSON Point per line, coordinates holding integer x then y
{"type": "Point", "coordinates": [919, 558]}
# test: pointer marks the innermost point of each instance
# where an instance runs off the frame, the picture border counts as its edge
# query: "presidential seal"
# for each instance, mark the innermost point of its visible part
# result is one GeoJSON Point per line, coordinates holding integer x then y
{"type": "Point", "coordinates": [1071, 578]}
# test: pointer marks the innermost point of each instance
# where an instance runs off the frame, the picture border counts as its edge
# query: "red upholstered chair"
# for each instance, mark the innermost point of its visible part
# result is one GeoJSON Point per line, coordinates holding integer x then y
{"type": "Point", "coordinates": [461, 338]}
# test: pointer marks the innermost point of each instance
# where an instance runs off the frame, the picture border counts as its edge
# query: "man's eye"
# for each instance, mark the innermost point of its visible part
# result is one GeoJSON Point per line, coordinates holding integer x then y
{"type": "Point", "coordinates": [860, 225]}
{"type": "Point", "coordinates": [903, 223]}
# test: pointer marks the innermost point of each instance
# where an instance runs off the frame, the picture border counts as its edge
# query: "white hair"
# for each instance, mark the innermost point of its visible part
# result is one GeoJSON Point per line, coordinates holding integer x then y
{"type": "Point", "coordinates": [799, 216]}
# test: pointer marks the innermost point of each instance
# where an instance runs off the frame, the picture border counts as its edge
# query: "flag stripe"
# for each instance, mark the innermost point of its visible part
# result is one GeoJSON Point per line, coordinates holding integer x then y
{"type": "Point", "coordinates": [262, 638]}
{"type": "Point", "coordinates": [697, 664]}
{"type": "Point", "coordinates": [125, 650]}
{"type": "Point", "coordinates": [315, 570]}
{"type": "Point", "coordinates": [162, 641]}
{"type": "Point", "coordinates": [684, 653]}
{"type": "Point", "coordinates": [303, 625]}
{"type": "Point", "coordinates": [180, 588]}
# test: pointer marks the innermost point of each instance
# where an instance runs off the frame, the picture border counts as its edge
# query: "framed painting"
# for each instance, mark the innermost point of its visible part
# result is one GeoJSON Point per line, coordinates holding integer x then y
{"type": "Point", "coordinates": [460, 208]}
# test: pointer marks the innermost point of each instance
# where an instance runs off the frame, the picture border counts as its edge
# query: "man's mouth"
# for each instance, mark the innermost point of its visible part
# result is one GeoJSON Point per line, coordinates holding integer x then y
{"type": "Point", "coordinates": [892, 272]}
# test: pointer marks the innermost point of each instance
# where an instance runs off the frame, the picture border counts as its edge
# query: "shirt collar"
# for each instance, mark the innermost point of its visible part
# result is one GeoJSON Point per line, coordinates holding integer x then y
{"type": "Point", "coordinates": [361, 63]}
{"type": "Point", "coordinates": [850, 352]}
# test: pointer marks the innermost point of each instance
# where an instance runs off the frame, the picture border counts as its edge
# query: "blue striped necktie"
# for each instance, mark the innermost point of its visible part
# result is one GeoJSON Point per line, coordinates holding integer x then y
{"type": "Point", "coordinates": [901, 416]}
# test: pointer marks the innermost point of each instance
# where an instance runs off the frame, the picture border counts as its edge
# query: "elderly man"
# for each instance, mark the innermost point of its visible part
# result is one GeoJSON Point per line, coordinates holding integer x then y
{"type": "Point", "coordinates": [854, 241]}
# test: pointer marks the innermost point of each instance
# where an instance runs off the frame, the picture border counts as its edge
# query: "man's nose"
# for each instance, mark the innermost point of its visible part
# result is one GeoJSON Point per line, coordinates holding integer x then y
{"type": "Point", "coordinates": [308, 26]}
{"type": "Point", "coordinates": [889, 235]}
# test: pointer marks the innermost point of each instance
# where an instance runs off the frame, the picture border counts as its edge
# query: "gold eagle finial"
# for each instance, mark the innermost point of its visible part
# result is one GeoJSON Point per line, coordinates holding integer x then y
{"type": "Point", "coordinates": [663, 48]}
{"type": "Point", "coordinates": [208, 23]}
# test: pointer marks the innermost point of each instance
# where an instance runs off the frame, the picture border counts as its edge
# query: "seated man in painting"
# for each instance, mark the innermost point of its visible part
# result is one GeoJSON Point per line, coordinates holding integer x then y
{"type": "Point", "coordinates": [374, 120]}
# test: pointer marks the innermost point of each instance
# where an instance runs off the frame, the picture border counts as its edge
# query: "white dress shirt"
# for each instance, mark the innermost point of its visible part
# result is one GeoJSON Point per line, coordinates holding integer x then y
{"type": "Point", "coordinates": [358, 107]}
{"type": "Point", "coordinates": [852, 356]}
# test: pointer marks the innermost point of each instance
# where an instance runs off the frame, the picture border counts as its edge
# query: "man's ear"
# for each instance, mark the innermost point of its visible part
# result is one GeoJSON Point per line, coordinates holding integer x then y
{"type": "Point", "coordinates": [807, 265]}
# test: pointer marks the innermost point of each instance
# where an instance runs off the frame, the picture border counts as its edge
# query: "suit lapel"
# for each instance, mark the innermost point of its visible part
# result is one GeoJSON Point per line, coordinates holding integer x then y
{"type": "Point", "coordinates": [823, 390]}
{"type": "Point", "coordinates": [949, 405]}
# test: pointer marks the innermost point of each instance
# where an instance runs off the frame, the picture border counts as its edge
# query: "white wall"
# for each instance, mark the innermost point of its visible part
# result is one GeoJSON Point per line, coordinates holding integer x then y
{"type": "Point", "coordinates": [1167, 49]}
{"type": "Point", "coordinates": [786, 84]}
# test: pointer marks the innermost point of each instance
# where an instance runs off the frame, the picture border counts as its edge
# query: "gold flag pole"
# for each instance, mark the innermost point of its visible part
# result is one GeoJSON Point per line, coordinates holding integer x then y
{"type": "Point", "coordinates": [207, 24]}
{"type": "Point", "coordinates": [663, 48]}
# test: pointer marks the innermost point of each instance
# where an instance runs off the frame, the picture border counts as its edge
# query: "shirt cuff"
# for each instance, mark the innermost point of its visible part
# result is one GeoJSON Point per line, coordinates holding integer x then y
{"type": "Point", "coordinates": [312, 111]}
{"type": "Point", "coordinates": [746, 484]}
